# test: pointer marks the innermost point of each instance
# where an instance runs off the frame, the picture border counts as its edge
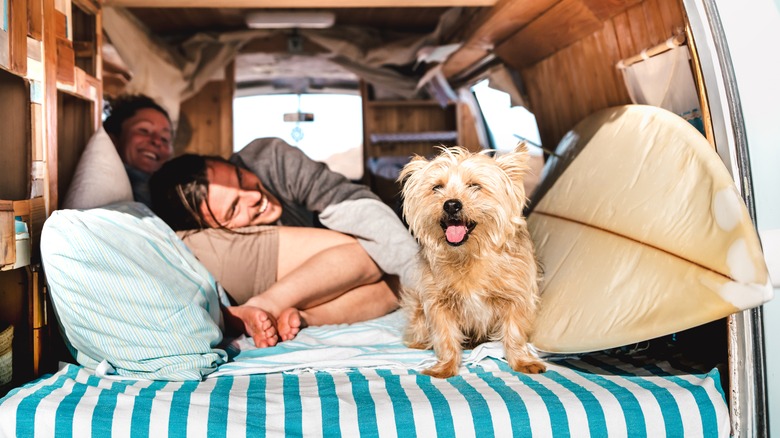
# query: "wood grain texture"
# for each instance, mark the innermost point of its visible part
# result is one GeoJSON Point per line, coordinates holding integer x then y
{"type": "Point", "coordinates": [50, 15]}
{"type": "Point", "coordinates": [15, 150]}
{"type": "Point", "coordinates": [491, 28]}
{"type": "Point", "coordinates": [208, 116]}
{"type": "Point", "coordinates": [18, 36]}
{"type": "Point", "coordinates": [35, 19]}
{"type": "Point", "coordinates": [563, 24]}
{"type": "Point", "coordinates": [581, 78]}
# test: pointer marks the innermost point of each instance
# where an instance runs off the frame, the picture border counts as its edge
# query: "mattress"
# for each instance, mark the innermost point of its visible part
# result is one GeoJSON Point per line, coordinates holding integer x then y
{"type": "Point", "coordinates": [359, 380]}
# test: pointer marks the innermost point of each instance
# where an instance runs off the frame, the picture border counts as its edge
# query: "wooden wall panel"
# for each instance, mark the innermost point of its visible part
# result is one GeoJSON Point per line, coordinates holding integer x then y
{"type": "Point", "coordinates": [15, 150]}
{"type": "Point", "coordinates": [491, 28]}
{"type": "Point", "coordinates": [560, 26]}
{"type": "Point", "coordinates": [50, 16]}
{"type": "Point", "coordinates": [206, 119]}
{"type": "Point", "coordinates": [467, 131]}
{"type": "Point", "coordinates": [75, 126]}
{"type": "Point", "coordinates": [581, 78]}
{"type": "Point", "coordinates": [35, 19]}
{"type": "Point", "coordinates": [605, 9]}
{"type": "Point", "coordinates": [672, 15]}
{"type": "Point", "coordinates": [18, 36]}
{"type": "Point", "coordinates": [654, 22]}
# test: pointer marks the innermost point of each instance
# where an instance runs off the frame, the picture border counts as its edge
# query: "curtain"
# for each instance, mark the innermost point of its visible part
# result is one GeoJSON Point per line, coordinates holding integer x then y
{"type": "Point", "coordinates": [665, 80]}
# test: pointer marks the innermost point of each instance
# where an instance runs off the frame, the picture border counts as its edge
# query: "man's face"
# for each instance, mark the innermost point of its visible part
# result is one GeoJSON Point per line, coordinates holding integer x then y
{"type": "Point", "coordinates": [145, 142]}
{"type": "Point", "coordinates": [237, 198]}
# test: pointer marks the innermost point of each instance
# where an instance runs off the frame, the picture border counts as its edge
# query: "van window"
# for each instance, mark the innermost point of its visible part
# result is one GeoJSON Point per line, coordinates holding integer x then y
{"type": "Point", "coordinates": [507, 125]}
{"type": "Point", "coordinates": [335, 136]}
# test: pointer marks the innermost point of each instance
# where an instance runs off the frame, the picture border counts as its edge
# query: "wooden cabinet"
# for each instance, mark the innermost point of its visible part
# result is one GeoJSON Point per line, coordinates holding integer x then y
{"type": "Point", "coordinates": [405, 127]}
{"type": "Point", "coordinates": [394, 130]}
{"type": "Point", "coordinates": [50, 68]}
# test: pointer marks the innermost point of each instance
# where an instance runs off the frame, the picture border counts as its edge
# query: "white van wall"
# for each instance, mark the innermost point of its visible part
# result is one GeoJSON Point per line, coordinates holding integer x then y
{"type": "Point", "coordinates": [752, 30]}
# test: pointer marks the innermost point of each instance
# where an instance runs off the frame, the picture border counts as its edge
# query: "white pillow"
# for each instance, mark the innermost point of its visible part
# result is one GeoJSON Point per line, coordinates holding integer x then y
{"type": "Point", "coordinates": [100, 177]}
{"type": "Point", "coordinates": [128, 293]}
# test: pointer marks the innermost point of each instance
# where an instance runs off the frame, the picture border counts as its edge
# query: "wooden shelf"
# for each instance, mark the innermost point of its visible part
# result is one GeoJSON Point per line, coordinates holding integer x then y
{"type": "Point", "coordinates": [402, 128]}
{"type": "Point", "coordinates": [20, 225]}
{"type": "Point", "coordinates": [415, 137]}
{"type": "Point", "coordinates": [50, 81]}
{"type": "Point", "coordinates": [403, 103]}
{"type": "Point", "coordinates": [84, 86]}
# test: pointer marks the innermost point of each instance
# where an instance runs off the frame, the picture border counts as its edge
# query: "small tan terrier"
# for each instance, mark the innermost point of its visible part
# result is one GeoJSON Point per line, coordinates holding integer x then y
{"type": "Point", "coordinates": [480, 277]}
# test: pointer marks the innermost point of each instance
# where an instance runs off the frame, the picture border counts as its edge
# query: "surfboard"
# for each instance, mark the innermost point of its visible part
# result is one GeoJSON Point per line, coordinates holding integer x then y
{"type": "Point", "coordinates": [641, 233]}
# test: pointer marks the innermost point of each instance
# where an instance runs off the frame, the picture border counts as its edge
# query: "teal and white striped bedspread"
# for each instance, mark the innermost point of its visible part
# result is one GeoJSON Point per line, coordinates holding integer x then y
{"type": "Point", "coordinates": [385, 395]}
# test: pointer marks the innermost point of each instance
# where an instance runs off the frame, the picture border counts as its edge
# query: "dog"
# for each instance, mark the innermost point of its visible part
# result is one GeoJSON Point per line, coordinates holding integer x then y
{"type": "Point", "coordinates": [480, 277]}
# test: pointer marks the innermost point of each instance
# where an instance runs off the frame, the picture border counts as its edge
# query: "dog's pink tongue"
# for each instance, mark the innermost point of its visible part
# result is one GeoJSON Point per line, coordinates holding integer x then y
{"type": "Point", "coordinates": [455, 233]}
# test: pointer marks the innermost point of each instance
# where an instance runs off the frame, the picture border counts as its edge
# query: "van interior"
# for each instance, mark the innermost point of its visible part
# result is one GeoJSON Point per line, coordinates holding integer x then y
{"type": "Point", "coordinates": [361, 86]}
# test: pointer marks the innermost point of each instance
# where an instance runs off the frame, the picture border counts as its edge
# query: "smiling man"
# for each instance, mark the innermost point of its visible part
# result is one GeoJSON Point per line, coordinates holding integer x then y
{"type": "Point", "coordinates": [142, 134]}
{"type": "Point", "coordinates": [238, 197]}
{"type": "Point", "coordinates": [272, 183]}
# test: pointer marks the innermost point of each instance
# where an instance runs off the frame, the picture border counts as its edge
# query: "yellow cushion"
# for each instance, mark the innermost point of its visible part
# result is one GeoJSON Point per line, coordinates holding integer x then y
{"type": "Point", "coordinates": [640, 236]}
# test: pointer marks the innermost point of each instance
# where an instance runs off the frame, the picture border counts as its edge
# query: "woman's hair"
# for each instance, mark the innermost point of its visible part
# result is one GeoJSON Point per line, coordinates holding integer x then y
{"type": "Point", "coordinates": [125, 107]}
{"type": "Point", "coordinates": [178, 190]}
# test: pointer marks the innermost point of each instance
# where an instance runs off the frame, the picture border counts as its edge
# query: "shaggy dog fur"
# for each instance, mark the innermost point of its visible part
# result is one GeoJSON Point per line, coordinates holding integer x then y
{"type": "Point", "coordinates": [480, 275]}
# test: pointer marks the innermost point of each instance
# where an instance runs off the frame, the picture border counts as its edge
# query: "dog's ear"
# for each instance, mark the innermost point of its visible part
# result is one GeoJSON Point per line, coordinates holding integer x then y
{"type": "Point", "coordinates": [416, 163]}
{"type": "Point", "coordinates": [515, 163]}
{"type": "Point", "coordinates": [521, 147]}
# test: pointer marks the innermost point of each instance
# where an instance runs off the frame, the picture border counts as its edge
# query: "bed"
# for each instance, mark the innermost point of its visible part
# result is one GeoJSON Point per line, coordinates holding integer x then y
{"type": "Point", "coordinates": [642, 236]}
{"type": "Point", "coordinates": [335, 381]}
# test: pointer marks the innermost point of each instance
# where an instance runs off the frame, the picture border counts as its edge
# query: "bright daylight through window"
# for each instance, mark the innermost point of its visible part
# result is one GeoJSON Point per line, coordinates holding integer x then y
{"type": "Point", "coordinates": [335, 136]}
{"type": "Point", "coordinates": [508, 125]}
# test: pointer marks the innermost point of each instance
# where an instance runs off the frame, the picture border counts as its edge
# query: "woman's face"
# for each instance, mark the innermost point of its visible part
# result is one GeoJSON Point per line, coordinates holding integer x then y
{"type": "Point", "coordinates": [237, 198]}
{"type": "Point", "coordinates": [145, 142]}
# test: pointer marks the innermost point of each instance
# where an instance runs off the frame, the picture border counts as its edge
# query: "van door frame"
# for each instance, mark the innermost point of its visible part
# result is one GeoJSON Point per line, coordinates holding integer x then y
{"type": "Point", "coordinates": [747, 358]}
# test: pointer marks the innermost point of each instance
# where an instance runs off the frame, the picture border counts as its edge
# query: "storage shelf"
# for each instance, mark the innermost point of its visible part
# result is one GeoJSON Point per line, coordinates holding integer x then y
{"type": "Point", "coordinates": [20, 225]}
{"type": "Point", "coordinates": [414, 137]}
{"type": "Point", "coordinates": [403, 103]}
{"type": "Point", "coordinates": [84, 86]}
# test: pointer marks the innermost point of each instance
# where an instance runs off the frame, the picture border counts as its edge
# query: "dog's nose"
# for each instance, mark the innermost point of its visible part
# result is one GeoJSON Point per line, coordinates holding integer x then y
{"type": "Point", "coordinates": [452, 206]}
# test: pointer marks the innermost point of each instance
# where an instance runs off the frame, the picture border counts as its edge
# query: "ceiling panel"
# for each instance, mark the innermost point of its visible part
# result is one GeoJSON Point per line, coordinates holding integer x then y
{"type": "Point", "coordinates": [180, 21]}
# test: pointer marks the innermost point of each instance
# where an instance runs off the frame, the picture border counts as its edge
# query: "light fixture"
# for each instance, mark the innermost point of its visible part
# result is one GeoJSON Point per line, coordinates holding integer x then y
{"type": "Point", "coordinates": [287, 20]}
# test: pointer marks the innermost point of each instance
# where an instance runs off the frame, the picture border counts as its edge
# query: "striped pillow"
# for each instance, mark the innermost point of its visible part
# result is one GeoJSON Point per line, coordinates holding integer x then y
{"type": "Point", "coordinates": [128, 293]}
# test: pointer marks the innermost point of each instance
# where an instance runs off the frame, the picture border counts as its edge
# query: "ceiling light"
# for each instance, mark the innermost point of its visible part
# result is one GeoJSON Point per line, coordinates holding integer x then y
{"type": "Point", "coordinates": [284, 20]}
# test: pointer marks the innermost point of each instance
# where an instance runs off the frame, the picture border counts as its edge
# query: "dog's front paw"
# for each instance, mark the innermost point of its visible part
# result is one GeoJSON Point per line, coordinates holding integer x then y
{"type": "Point", "coordinates": [442, 370]}
{"type": "Point", "coordinates": [528, 366]}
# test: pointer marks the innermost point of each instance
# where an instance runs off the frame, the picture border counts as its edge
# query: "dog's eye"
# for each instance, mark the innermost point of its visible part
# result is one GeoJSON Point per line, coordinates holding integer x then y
{"type": "Point", "coordinates": [437, 187]}
{"type": "Point", "coordinates": [475, 186]}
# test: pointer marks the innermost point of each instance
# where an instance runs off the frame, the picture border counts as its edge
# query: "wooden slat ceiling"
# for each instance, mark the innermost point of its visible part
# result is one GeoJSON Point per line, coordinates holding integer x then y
{"type": "Point", "coordinates": [326, 4]}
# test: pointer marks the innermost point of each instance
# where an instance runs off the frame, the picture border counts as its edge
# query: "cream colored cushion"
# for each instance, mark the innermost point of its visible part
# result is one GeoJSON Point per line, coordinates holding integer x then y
{"type": "Point", "coordinates": [640, 236]}
{"type": "Point", "coordinates": [100, 178]}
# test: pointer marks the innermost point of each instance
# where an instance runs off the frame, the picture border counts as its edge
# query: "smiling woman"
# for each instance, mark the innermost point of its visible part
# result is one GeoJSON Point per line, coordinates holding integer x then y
{"type": "Point", "coordinates": [145, 140]}
{"type": "Point", "coordinates": [141, 131]}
